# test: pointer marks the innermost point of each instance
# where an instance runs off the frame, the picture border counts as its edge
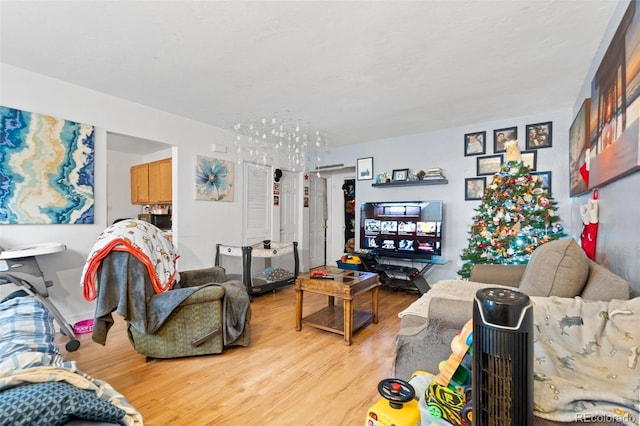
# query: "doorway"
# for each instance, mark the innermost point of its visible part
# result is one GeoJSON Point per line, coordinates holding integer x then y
{"type": "Point", "coordinates": [317, 221]}
{"type": "Point", "coordinates": [124, 151]}
{"type": "Point", "coordinates": [336, 225]}
{"type": "Point", "coordinates": [290, 204]}
{"type": "Point", "coordinates": [349, 191]}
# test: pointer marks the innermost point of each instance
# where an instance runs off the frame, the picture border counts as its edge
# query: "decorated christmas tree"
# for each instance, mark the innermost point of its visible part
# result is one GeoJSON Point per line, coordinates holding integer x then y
{"type": "Point", "coordinates": [516, 215]}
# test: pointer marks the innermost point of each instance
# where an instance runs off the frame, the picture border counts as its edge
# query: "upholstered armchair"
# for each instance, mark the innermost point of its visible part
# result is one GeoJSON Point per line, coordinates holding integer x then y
{"type": "Point", "coordinates": [202, 314]}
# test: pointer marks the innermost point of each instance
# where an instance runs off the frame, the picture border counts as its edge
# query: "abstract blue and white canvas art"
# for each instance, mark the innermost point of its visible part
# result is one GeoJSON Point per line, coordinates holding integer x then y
{"type": "Point", "coordinates": [46, 169]}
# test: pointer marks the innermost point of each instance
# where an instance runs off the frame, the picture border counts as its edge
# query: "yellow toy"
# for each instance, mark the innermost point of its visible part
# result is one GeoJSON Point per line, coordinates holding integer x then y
{"type": "Point", "coordinates": [351, 259]}
{"type": "Point", "coordinates": [445, 398]}
{"type": "Point", "coordinates": [398, 405]}
{"type": "Point", "coordinates": [449, 394]}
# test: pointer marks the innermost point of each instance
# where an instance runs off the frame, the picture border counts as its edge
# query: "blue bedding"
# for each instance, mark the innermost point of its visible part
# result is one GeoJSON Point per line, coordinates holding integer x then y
{"type": "Point", "coordinates": [37, 386]}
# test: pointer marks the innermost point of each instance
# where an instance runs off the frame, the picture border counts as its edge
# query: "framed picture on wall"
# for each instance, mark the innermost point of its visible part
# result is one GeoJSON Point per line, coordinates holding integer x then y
{"type": "Point", "coordinates": [475, 143]}
{"type": "Point", "coordinates": [365, 168]}
{"type": "Point", "coordinates": [400, 174]}
{"type": "Point", "coordinates": [578, 143]}
{"type": "Point", "coordinates": [539, 135]}
{"type": "Point", "coordinates": [489, 164]}
{"type": "Point", "coordinates": [545, 178]}
{"type": "Point", "coordinates": [474, 188]}
{"type": "Point", "coordinates": [614, 139]}
{"type": "Point", "coordinates": [530, 158]}
{"type": "Point", "coordinates": [500, 136]}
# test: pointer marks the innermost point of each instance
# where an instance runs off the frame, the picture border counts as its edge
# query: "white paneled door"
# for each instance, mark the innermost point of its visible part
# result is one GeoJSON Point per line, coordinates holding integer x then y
{"type": "Point", "coordinates": [317, 221]}
{"type": "Point", "coordinates": [257, 203]}
{"type": "Point", "coordinates": [290, 204]}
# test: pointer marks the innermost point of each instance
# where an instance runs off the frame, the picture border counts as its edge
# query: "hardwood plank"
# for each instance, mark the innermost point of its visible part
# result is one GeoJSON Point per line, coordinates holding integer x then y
{"type": "Point", "coordinates": [284, 377]}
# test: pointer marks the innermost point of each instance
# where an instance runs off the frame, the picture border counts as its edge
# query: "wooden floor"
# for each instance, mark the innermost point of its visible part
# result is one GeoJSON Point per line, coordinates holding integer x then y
{"type": "Point", "coordinates": [284, 377]}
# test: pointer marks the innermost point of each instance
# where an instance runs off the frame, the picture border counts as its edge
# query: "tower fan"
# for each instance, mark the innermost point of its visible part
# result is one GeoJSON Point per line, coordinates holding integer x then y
{"type": "Point", "coordinates": [502, 386]}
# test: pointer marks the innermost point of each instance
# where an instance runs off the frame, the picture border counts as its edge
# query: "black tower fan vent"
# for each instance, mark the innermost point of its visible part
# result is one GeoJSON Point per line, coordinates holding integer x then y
{"type": "Point", "coordinates": [502, 386]}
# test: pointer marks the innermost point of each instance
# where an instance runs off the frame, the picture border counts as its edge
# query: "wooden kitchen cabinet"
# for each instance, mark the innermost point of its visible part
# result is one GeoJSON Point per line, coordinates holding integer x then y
{"type": "Point", "coordinates": [140, 184]}
{"type": "Point", "coordinates": [160, 182]}
{"type": "Point", "coordinates": [151, 182]}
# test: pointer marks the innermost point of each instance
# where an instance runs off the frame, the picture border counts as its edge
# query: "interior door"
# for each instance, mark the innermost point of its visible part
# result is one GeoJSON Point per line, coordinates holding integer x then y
{"type": "Point", "coordinates": [317, 221]}
{"type": "Point", "coordinates": [257, 206]}
{"type": "Point", "coordinates": [289, 207]}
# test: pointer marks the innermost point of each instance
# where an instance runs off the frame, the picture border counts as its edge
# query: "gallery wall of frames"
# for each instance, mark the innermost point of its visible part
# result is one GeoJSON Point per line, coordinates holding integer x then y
{"type": "Point", "coordinates": [490, 155]}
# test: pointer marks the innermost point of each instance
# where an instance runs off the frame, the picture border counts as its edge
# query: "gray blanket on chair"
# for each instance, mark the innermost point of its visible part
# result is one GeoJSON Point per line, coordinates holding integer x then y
{"type": "Point", "coordinates": [235, 306]}
{"type": "Point", "coordinates": [123, 285]}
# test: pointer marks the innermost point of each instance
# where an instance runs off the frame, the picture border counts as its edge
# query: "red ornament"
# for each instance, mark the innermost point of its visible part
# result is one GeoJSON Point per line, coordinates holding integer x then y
{"type": "Point", "coordinates": [511, 181]}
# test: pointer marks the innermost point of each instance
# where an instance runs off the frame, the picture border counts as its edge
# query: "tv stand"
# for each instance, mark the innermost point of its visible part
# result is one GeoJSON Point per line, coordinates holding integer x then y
{"type": "Point", "coordinates": [405, 277]}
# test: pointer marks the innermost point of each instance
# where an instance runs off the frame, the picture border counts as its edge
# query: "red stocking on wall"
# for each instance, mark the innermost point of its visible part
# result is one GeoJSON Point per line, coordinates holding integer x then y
{"type": "Point", "coordinates": [589, 213]}
{"type": "Point", "coordinates": [588, 240]}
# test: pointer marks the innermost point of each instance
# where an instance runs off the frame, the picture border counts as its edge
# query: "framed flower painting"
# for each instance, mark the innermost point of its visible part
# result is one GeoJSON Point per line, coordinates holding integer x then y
{"type": "Point", "coordinates": [214, 179]}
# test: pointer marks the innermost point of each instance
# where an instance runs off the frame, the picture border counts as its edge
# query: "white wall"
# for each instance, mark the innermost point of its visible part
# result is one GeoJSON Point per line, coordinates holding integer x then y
{"type": "Point", "coordinates": [444, 149]}
{"type": "Point", "coordinates": [119, 185]}
{"type": "Point", "coordinates": [201, 224]}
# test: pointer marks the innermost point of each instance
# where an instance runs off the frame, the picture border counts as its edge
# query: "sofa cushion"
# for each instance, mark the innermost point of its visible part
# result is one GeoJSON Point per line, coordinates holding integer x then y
{"type": "Point", "coordinates": [445, 290]}
{"type": "Point", "coordinates": [557, 268]}
{"type": "Point", "coordinates": [604, 285]}
{"type": "Point", "coordinates": [509, 275]}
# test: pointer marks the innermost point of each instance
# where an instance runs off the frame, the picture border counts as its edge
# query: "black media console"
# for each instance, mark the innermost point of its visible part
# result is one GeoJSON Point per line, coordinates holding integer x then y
{"type": "Point", "coordinates": [401, 277]}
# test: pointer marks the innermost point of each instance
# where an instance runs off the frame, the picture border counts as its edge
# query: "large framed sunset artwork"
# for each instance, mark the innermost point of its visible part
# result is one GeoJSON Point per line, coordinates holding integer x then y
{"type": "Point", "coordinates": [614, 142]}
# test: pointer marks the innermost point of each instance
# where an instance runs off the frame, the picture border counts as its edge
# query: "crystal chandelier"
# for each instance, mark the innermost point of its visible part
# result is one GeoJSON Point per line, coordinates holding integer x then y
{"type": "Point", "coordinates": [279, 142]}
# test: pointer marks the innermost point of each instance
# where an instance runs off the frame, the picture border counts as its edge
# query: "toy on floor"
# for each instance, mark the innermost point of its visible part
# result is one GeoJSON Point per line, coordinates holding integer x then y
{"type": "Point", "coordinates": [445, 398]}
{"type": "Point", "coordinates": [449, 394]}
{"type": "Point", "coordinates": [397, 406]}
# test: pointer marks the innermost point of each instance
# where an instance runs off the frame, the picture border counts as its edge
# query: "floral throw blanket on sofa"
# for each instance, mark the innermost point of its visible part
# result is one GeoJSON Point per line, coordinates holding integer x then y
{"type": "Point", "coordinates": [587, 359]}
{"type": "Point", "coordinates": [37, 386]}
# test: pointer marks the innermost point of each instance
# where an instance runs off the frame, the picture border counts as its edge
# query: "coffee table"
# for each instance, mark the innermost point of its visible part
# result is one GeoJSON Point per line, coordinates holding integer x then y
{"type": "Point", "coordinates": [346, 285]}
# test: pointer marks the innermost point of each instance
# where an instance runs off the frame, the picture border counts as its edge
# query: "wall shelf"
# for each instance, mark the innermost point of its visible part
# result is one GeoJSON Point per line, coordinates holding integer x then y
{"type": "Point", "coordinates": [442, 181]}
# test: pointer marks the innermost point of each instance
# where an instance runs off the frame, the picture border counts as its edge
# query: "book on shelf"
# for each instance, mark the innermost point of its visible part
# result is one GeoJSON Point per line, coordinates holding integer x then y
{"type": "Point", "coordinates": [433, 173]}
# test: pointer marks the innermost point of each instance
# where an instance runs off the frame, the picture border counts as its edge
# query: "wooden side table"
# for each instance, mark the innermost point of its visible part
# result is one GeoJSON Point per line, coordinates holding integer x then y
{"type": "Point", "coordinates": [346, 285]}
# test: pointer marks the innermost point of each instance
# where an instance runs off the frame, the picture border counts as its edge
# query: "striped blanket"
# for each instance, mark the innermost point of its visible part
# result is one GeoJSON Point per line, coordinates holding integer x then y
{"type": "Point", "coordinates": [37, 386]}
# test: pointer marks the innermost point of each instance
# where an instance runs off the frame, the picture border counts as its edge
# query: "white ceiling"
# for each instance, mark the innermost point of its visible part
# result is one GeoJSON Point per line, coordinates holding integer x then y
{"type": "Point", "coordinates": [360, 70]}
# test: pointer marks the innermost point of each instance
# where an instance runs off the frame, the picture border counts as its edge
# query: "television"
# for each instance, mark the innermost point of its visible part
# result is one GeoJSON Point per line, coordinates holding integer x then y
{"type": "Point", "coordinates": [403, 229]}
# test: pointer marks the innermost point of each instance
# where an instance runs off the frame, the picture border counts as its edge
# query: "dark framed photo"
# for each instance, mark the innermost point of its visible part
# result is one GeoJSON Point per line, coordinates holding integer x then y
{"type": "Point", "coordinates": [500, 136]}
{"type": "Point", "coordinates": [400, 174]}
{"type": "Point", "coordinates": [474, 188]}
{"type": "Point", "coordinates": [365, 168]}
{"type": "Point", "coordinates": [530, 158]}
{"type": "Point", "coordinates": [539, 135]}
{"type": "Point", "coordinates": [545, 178]}
{"type": "Point", "coordinates": [475, 143]}
{"type": "Point", "coordinates": [489, 164]}
{"type": "Point", "coordinates": [578, 143]}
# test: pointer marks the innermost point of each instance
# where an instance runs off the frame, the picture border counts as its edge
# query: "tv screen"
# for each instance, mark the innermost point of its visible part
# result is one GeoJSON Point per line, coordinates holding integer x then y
{"type": "Point", "coordinates": [409, 229]}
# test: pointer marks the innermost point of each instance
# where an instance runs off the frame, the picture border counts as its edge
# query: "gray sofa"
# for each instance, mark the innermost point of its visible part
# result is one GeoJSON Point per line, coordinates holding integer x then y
{"type": "Point", "coordinates": [557, 268]}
